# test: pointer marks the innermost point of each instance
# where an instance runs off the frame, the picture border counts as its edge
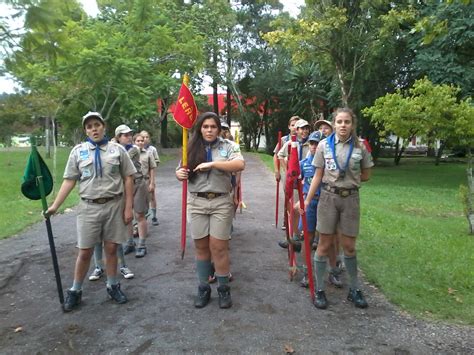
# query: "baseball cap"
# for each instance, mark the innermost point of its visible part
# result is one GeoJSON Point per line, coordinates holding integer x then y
{"type": "Point", "coordinates": [224, 125]}
{"type": "Point", "coordinates": [301, 123]}
{"type": "Point", "coordinates": [315, 137]}
{"type": "Point", "coordinates": [92, 114]}
{"type": "Point", "coordinates": [318, 123]}
{"type": "Point", "coordinates": [122, 129]}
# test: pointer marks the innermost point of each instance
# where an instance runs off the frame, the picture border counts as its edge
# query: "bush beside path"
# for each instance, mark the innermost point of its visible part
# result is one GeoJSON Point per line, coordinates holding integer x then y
{"type": "Point", "coordinates": [270, 313]}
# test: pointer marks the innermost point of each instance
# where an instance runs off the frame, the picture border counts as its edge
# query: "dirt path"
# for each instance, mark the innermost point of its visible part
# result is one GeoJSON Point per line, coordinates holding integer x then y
{"type": "Point", "coordinates": [269, 311]}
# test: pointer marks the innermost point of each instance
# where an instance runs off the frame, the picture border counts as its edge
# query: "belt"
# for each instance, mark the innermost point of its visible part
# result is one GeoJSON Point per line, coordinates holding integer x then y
{"type": "Point", "coordinates": [101, 200]}
{"type": "Point", "coordinates": [210, 195]}
{"type": "Point", "coordinates": [340, 191]}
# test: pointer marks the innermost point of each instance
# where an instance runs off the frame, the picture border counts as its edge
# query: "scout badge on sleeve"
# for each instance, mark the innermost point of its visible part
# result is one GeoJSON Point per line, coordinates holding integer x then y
{"type": "Point", "coordinates": [37, 184]}
{"type": "Point", "coordinates": [185, 115]}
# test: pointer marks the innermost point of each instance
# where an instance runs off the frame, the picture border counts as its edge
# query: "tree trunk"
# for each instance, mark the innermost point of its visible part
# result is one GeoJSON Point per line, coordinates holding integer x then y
{"type": "Point", "coordinates": [214, 83]}
{"type": "Point", "coordinates": [229, 106]}
{"type": "Point", "coordinates": [397, 148]}
{"type": "Point", "coordinates": [164, 132]}
{"type": "Point", "coordinates": [440, 152]}
{"type": "Point", "coordinates": [47, 133]}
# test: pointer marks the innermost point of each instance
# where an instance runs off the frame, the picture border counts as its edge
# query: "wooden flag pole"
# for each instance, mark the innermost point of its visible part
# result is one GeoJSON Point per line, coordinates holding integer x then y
{"type": "Point", "coordinates": [184, 196]}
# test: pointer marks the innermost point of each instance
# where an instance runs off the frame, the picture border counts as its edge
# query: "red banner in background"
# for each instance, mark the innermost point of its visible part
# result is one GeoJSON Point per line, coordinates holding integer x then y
{"type": "Point", "coordinates": [185, 111]}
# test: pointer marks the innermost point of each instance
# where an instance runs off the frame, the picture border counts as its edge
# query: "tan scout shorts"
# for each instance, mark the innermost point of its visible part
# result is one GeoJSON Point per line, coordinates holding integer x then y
{"type": "Point", "coordinates": [141, 196]}
{"type": "Point", "coordinates": [334, 211]}
{"type": "Point", "coordinates": [100, 222]}
{"type": "Point", "coordinates": [210, 216]}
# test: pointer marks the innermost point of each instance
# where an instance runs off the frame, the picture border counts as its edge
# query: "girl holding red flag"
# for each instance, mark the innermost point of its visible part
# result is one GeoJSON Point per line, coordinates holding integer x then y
{"type": "Point", "coordinates": [211, 162]}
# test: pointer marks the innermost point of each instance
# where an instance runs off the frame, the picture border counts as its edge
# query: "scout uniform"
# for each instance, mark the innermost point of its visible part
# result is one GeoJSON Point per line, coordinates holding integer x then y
{"type": "Point", "coordinates": [210, 204]}
{"type": "Point", "coordinates": [140, 192]}
{"type": "Point", "coordinates": [101, 191]}
{"type": "Point", "coordinates": [147, 161]}
{"type": "Point", "coordinates": [154, 153]}
{"type": "Point", "coordinates": [339, 200]}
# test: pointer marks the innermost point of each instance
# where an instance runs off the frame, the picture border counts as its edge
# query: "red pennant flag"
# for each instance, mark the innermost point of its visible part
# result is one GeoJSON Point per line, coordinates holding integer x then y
{"type": "Point", "coordinates": [185, 112]}
{"type": "Point", "coordinates": [293, 171]}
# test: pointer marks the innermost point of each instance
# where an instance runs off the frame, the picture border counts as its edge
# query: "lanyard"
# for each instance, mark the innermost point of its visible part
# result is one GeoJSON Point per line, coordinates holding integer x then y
{"type": "Point", "coordinates": [332, 145]}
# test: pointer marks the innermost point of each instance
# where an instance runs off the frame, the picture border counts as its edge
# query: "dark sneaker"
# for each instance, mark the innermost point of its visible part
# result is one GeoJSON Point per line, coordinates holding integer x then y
{"type": "Point", "coordinates": [141, 252]}
{"type": "Point", "coordinates": [116, 294]}
{"type": "Point", "coordinates": [304, 282]}
{"type": "Point", "coordinates": [73, 299]}
{"type": "Point", "coordinates": [155, 222]}
{"type": "Point", "coordinates": [334, 279]}
{"type": "Point", "coordinates": [129, 248]}
{"type": "Point", "coordinates": [225, 301]}
{"type": "Point", "coordinates": [283, 244]}
{"type": "Point", "coordinates": [96, 274]}
{"type": "Point", "coordinates": [356, 297]}
{"type": "Point", "coordinates": [296, 246]}
{"type": "Point", "coordinates": [321, 301]}
{"type": "Point", "coordinates": [203, 296]}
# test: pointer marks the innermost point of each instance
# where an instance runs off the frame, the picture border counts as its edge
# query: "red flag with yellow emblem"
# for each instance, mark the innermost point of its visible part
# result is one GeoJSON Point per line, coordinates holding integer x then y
{"type": "Point", "coordinates": [185, 111]}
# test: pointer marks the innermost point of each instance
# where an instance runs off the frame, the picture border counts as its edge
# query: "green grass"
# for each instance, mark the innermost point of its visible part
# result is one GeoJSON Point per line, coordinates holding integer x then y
{"type": "Point", "coordinates": [16, 211]}
{"type": "Point", "coordinates": [413, 243]}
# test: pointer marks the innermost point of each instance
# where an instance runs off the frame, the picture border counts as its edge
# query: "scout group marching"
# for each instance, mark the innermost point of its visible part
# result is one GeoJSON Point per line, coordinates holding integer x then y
{"type": "Point", "coordinates": [116, 185]}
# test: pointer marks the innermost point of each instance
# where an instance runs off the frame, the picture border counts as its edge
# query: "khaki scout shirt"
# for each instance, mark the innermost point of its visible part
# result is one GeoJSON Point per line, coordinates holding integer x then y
{"type": "Point", "coordinates": [116, 165]}
{"type": "Point", "coordinates": [154, 153]}
{"type": "Point", "coordinates": [134, 154]}
{"type": "Point", "coordinates": [284, 151]}
{"type": "Point", "coordinates": [360, 159]}
{"type": "Point", "coordinates": [216, 180]}
{"type": "Point", "coordinates": [147, 161]}
{"type": "Point", "coordinates": [283, 140]}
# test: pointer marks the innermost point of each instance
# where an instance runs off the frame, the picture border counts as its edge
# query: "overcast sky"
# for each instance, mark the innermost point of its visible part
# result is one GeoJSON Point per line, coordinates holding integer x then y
{"type": "Point", "coordinates": [90, 7]}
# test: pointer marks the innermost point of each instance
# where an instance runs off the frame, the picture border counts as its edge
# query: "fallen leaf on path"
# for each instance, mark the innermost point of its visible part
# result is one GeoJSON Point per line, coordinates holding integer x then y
{"type": "Point", "coordinates": [18, 329]}
{"type": "Point", "coordinates": [289, 349]}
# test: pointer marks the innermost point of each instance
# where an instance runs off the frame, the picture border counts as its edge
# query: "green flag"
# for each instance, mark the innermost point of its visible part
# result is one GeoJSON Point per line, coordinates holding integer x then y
{"type": "Point", "coordinates": [30, 186]}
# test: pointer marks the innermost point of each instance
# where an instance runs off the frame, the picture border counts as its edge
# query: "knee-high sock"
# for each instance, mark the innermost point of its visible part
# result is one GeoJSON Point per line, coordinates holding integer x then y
{"type": "Point", "coordinates": [320, 263]}
{"type": "Point", "coordinates": [203, 269]}
{"type": "Point", "coordinates": [351, 267]}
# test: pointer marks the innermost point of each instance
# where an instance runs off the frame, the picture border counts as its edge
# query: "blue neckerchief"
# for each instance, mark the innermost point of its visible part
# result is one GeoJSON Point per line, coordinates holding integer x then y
{"type": "Point", "coordinates": [128, 147]}
{"type": "Point", "coordinates": [209, 149]}
{"type": "Point", "coordinates": [331, 142]}
{"type": "Point", "coordinates": [300, 153]}
{"type": "Point", "coordinates": [97, 160]}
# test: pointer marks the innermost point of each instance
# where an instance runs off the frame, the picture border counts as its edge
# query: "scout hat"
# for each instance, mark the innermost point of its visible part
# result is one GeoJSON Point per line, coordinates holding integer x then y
{"type": "Point", "coordinates": [315, 137]}
{"type": "Point", "coordinates": [318, 124]}
{"type": "Point", "coordinates": [92, 114]}
{"type": "Point", "coordinates": [122, 129]}
{"type": "Point", "coordinates": [301, 123]}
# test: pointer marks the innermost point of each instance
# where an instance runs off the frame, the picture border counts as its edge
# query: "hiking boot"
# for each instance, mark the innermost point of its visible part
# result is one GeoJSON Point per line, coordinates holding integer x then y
{"type": "Point", "coordinates": [304, 282]}
{"type": "Point", "coordinates": [321, 301]}
{"type": "Point", "coordinates": [141, 252]}
{"type": "Point", "coordinates": [116, 294]}
{"type": "Point", "coordinates": [296, 247]}
{"type": "Point", "coordinates": [203, 296]}
{"type": "Point", "coordinates": [335, 279]}
{"type": "Point", "coordinates": [96, 274]}
{"type": "Point", "coordinates": [283, 244]}
{"type": "Point", "coordinates": [73, 299]}
{"type": "Point", "coordinates": [129, 248]}
{"type": "Point", "coordinates": [126, 273]}
{"type": "Point", "coordinates": [155, 222]}
{"type": "Point", "coordinates": [356, 297]}
{"type": "Point", "coordinates": [225, 301]}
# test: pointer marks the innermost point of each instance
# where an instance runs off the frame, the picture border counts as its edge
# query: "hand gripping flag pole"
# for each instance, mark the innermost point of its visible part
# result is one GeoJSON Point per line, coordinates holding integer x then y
{"type": "Point", "coordinates": [37, 184]}
{"type": "Point", "coordinates": [277, 181]}
{"type": "Point", "coordinates": [294, 179]}
{"type": "Point", "coordinates": [185, 115]}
